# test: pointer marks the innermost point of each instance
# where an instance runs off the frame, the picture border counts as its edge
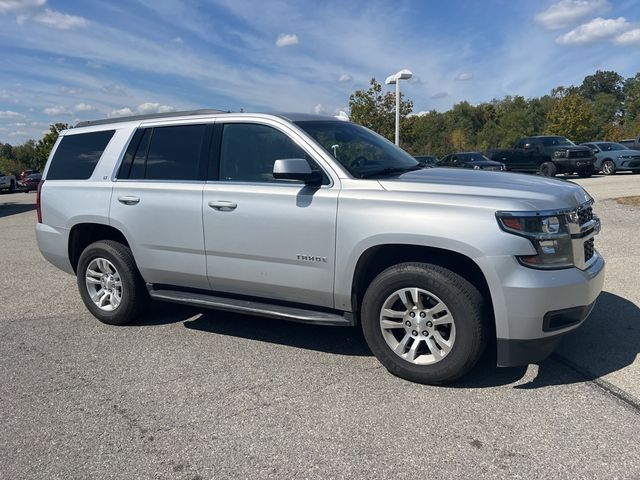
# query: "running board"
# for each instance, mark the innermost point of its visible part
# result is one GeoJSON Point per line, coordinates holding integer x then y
{"type": "Point", "coordinates": [252, 307]}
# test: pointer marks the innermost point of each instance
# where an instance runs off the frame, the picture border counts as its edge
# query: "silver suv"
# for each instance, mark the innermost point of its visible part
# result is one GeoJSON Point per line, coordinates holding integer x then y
{"type": "Point", "coordinates": [318, 220]}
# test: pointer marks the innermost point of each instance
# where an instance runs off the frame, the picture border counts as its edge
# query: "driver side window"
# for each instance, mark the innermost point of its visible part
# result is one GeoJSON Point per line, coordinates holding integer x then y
{"type": "Point", "coordinates": [248, 152]}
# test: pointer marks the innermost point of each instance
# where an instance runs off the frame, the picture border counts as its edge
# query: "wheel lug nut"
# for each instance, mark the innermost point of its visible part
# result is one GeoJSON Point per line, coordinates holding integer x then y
{"type": "Point", "coordinates": [407, 323]}
{"type": "Point", "coordinates": [425, 333]}
{"type": "Point", "coordinates": [429, 324]}
{"type": "Point", "coordinates": [412, 314]}
{"type": "Point", "coordinates": [414, 333]}
{"type": "Point", "coordinates": [422, 314]}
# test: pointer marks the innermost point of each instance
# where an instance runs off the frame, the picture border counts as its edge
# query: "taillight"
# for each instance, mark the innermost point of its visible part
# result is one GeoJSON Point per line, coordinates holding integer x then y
{"type": "Point", "coordinates": [39, 201]}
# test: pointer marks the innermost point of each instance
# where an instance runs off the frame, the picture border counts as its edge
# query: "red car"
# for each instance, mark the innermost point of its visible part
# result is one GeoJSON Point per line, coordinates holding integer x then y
{"type": "Point", "coordinates": [31, 182]}
{"type": "Point", "coordinates": [24, 174]}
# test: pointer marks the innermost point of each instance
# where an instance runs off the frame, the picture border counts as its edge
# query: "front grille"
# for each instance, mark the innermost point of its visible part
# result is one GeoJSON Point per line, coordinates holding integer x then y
{"type": "Point", "coordinates": [578, 153]}
{"type": "Point", "coordinates": [588, 250]}
{"type": "Point", "coordinates": [634, 164]}
{"type": "Point", "coordinates": [585, 214]}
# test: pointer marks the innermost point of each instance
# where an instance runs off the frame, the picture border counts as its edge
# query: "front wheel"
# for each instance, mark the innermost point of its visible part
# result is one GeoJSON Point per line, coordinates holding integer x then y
{"type": "Point", "coordinates": [110, 284]}
{"type": "Point", "coordinates": [424, 322]}
{"type": "Point", "coordinates": [585, 172]}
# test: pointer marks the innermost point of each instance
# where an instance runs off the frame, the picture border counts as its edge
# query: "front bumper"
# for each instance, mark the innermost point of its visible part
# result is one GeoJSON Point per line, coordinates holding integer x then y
{"type": "Point", "coordinates": [574, 164]}
{"type": "Point", "coordinates": [534, 308]}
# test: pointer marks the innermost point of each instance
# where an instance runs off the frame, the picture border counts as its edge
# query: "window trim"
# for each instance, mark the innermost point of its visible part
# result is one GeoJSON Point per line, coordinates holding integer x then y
{"type": "Point", "coordinates": [215, 157]}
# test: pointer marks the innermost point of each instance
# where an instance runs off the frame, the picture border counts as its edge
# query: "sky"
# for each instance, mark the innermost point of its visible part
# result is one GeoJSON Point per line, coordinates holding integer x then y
{"type": "Point", "coordinates": [66, 61]}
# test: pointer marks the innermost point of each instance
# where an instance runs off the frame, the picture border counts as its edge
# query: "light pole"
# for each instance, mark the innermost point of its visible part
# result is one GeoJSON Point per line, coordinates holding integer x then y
{"type": "Point", "coordinates": [395, 80]}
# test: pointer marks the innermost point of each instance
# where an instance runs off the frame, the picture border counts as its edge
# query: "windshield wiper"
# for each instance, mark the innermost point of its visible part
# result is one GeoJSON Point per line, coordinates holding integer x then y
{"type": "Point", "coordinates": [390, 171]}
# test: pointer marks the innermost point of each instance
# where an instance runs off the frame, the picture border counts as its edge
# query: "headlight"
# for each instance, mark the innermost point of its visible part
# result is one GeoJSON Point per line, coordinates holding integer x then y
{"type": "Point", "coordinates": [476, 167]}
{"type": "Point", "coordinates": [560, 153]}
{"type": "Point", "coordinates": [549, 235]}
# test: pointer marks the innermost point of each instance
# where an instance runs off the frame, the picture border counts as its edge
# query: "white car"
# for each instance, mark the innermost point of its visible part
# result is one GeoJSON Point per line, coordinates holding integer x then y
{"type": "Point", "coordinates": [7, 182]}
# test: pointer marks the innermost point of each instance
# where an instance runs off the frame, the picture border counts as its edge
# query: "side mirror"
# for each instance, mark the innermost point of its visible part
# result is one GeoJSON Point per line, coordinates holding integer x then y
{"type": "Point", "coordinates": [595, 151]}
{"type": "Point", "coordinates": [296, 169]}
{"type": "Point", "coordinates": [527, 146]}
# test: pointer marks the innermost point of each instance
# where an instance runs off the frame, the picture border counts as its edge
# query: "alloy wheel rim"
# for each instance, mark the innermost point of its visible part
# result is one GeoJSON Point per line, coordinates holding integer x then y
{"type": "Point", "coordinates": [104, 284]}
{"type": "Point", "coordinates": [606, 168]}
{"type": "Point", "coordinates": [417, 326]}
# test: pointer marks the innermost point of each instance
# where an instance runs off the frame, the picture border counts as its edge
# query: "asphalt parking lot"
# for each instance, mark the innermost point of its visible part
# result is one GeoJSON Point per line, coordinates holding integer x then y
{"type": "Point", "coordinates": [196, 394]}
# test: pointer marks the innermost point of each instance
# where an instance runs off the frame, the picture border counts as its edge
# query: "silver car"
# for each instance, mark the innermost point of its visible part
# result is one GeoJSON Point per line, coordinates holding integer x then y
{"type": "Point", "coordinates": [319, 220]}
{"type": "Point", "coordinates": [612, 157]}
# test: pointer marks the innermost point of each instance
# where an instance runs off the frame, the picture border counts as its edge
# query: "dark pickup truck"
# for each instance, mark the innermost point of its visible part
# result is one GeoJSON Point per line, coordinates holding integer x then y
{"type": "Point", "coordinates": [631, 143]}
{"type": "Point", "coordinates": [547, 155]}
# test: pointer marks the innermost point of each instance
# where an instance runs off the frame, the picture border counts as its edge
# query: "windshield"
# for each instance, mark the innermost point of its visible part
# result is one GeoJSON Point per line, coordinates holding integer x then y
{"type": "Point", "coordinates": [359, 150]}
{"type": "Point", "coordinates": [472, 157]}
{"type": "Point", "coordinates": [610, 147]}
{"type": "Point", "coordinates": [556, 141]}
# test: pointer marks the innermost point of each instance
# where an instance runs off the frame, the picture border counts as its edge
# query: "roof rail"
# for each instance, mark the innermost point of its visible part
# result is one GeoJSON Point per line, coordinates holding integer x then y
{"type": "Point", "coordinates": [186, 113]}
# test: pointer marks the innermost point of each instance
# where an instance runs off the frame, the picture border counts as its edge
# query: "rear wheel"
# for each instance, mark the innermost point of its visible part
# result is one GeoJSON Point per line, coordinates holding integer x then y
{"type": "Point", "coordinates": [424, 322]}
{"type": "Point", "coordinates": [110, 284]}
{"type": "Point", "coordinates": [608, 167]}
{"type": "Point", "coordinates": [548, 169]}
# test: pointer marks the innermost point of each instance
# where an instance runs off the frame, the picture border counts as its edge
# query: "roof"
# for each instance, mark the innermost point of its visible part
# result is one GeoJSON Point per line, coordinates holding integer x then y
{"type": "Point", "coordinates": [292, 117]}
{"type": "Point", "coordinates": [185, 113]}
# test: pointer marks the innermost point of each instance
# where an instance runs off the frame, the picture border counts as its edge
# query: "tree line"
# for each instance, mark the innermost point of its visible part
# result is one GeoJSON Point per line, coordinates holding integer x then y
{"type": "Point", "coordinates": [605, 106]}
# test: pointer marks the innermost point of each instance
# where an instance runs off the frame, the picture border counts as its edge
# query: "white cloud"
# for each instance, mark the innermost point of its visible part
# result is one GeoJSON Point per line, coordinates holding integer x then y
{"type": "Point", "coordinates": [122, 112]}
{"type": "Point", "coordinates": [319, 109]}
{"type": "Point", "coordinates": [9, 114]}
{"type": "Point", "coordinates": [7, 6]}
{"type": "Point", "coordinates": [567, 12]}
{"type": "Point", "coordinates": [596, 30]}
{"type": "Point", "coordinates": [18, 133]}
{"type": "Point", "coordinates": [59, 20]}
{"type": "Point", "coordinates": [462, 77]}
{"type": "Point", "coordinates": [114, 89]}
{"type": "Point", "coordinates": [18, 124]}
{"type": "Point", "coordinates": [287, 39]}
{"type": "Point", "coordinates": [439, 95]}
{"type": "Point", "coordinates": [629, 37]}
{"type": "Point", "coordinates": [83, 107]}
{"type": "Point", "coordinates": [149, 107]}
{"type": "Point", "coordinates": [178, 40]}
{"type": "Point", "coordinates": [70, 90]}
{"type": "Point", "coordinates": [55, 110]}
{"type": "Point", "coordinates": [345, 77]}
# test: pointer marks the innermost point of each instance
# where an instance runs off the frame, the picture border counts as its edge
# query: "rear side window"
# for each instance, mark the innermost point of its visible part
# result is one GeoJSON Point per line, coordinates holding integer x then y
{"type": "Point", "coordinates": [77, 155]}
{"type": "Point", "coordinates": [165, 153]}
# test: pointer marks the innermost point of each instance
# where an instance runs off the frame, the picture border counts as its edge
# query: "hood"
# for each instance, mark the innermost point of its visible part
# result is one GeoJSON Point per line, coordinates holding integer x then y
{"type": "Point", "coordinates": [627, 153]}
{"type": "Point", "coordinates": [500, 189]}
{"type": "Point", "coordinates": [571, 148]}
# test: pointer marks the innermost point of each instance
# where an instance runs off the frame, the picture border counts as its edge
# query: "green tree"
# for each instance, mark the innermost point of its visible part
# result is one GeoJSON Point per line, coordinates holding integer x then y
{"type": "Point", "coordinates": [376, 110]}
{"type": "Point", "coordinates": [631, 91]}
{"type": "Point", "coordinates": [571, 117]}
{"type": "Point", "coordinates": [46, 143]}
{"type": "Point", "coordinates": [603, 81]}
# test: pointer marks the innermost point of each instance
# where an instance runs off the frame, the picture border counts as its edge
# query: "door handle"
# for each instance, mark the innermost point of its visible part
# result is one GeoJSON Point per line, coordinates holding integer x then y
{"type": "Point", "coordinates": [128, 200]}
{"type": "Point", "coordinates": [222, 205]}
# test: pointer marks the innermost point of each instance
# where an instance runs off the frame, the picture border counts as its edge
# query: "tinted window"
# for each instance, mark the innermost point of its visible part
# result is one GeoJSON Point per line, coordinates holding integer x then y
{"type": "Point", "coordinates": [77, 155]}
{"type": "Point", "coordinates": [140, 155]}
{"type": "Point", "coordinates": [174, 153]}
{"type": "Point", "coordinates": [248, 152]}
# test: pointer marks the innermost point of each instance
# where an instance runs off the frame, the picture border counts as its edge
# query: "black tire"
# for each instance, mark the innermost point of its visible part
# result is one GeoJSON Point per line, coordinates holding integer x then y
{"type": "Point", "coordinates": [610, 168]}
{"type": "Point", "coordinates": [12, 187]}
{"type": "Point", "coordinates": [464, 302]}
{"type": "Point", "coordinates": [135, 296]}
{"type": "Point", "coordinates": [635, 172]}
{"type": "Point", "coordinates": [585, 172]}
{"type": "Point", "coordinates": [548, 169]}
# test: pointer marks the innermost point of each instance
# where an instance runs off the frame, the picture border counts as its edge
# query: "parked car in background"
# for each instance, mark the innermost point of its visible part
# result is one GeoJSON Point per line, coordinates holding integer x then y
{"type": "Point", "coordinates": [427, 161]}
{"type": "Point", "coordinates": [30, 184]}
{"type": "Point", "coordinates": [24, 174]}
{"type": "Point", "coordinates": [475, 160]}
{"type": "Point", "coordinates": [7, 182]}
{"type": "Point", "coordinates": [546, 155]}
{"type": "Point", "coordinates": [612, 157]}
{"type": "Point", "coordinates": [632, 143]}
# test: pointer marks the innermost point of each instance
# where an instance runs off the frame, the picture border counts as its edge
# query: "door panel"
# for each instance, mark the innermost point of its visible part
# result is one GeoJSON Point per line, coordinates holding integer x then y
{"type": "Point", "coordinates": [278, 242]}
{"type": "Point", "coordinates": [163, 224]}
